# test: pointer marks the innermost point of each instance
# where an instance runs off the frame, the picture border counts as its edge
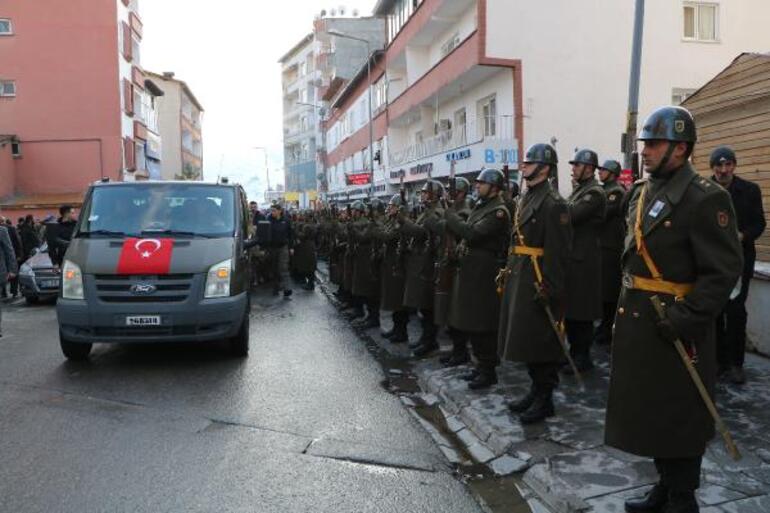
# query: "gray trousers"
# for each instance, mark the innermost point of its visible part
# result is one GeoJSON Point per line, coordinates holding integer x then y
{"type": "Point", "coordinates": [279, 263]}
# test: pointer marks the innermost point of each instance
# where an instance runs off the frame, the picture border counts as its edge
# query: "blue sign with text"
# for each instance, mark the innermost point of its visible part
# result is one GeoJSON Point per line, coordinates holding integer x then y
{"type": "Point", "coordinates": [509, 156]}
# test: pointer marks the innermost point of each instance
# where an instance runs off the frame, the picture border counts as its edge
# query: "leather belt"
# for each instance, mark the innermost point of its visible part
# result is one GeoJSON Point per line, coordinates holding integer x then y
{"type": "Point", "coordinates": [678, 290]}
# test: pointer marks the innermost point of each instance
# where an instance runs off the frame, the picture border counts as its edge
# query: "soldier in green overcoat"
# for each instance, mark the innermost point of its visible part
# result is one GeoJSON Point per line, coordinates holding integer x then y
{"type": "Point", "coordinates": [474, 305]}
{"type": "Point", "coordinates": [584, 293]}
{"type": "Point", "coordinates": [536, 278]}
{"type": "Point", "coordinates": [611, 241]}
{"type": "Point", "coordinates": [366, 273]}
{"type": "Point", "coordinates": [354, 308]}
{"type": "Point", "coordinates": [305, 247]}
{"type": "Point", "coordinates": [420, 262]}
{"type": "Point", "coordinates": [392, 275]}
{"type": "Point", "coordinates": [682, 246]}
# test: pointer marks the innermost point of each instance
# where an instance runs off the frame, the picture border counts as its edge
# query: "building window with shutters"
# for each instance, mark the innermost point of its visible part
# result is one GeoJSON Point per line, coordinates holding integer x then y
{"type": "Point", "coordinates": [701, 22]}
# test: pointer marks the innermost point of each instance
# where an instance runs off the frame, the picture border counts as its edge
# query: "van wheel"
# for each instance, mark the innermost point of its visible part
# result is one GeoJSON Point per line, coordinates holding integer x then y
{"type": "Point", "coordinates": [74, 350]}
{"type": "Point", "coordinates": [239, 344]}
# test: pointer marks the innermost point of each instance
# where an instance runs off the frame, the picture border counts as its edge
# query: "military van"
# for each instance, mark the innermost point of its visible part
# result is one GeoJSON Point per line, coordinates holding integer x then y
{"type": "Point", "coordinates": [157, 262]}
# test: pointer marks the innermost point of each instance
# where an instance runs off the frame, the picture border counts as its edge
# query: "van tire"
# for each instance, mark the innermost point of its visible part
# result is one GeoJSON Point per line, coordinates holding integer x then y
{"type": "Point", "coordinates": [239, 344]}
{"type": "Point", "coordinates": [74, 350]}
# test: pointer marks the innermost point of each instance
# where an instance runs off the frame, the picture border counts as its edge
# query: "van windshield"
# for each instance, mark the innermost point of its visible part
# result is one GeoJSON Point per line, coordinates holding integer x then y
{"type": "Point", "coordinates": [185, 210]}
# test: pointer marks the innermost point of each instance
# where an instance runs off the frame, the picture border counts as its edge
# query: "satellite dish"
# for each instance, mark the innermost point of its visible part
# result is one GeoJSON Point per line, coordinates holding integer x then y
{"type": "Point", "coordinates": [323, 13]}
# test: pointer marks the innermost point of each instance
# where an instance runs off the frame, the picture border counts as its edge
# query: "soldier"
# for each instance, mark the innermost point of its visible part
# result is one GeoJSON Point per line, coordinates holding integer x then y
{"type": "Point", "coordinates": [611, 241]}
{"type": "Point", "coordinates": [682, 247]}
{"type": "Point", "coordinates": [418, 291]}
{"type": "Point", "coordinates": [474, 304]}
{"type": "Point", "coordinates": [392, 275]}
{"type": "Point", "coordinates": [305, 257]}
{"type": "Point", "coordinates": [366, 280]}
{"type": "Point", "coordinates": [747, 202]}
{"type": "Point", "coordinates": [584, 293]}
{"type": "Point", "coordinates": [536, 281]}
{"type": "Point", "coordinates": [338, 243]}
{"type": "Point", "coordinates": [447, 266]}
{"type": "Point", "coordinates": [354, 308]}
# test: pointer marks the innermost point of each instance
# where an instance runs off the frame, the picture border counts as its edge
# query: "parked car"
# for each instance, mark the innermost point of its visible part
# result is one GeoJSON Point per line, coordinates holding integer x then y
{"type": "Point", "coordinates": [38, 278]}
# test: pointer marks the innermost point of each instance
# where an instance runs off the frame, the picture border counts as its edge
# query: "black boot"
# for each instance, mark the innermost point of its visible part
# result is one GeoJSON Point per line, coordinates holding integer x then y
{"type": "Point", "coordinates": [425, 348]}
{"type": "Point", "coordinates": [541, 409]}
{"type": "Point", "coordinates": [485, 379]}
{"type": "Point", "coordinates": [524, 403]}
{"type": "Point", "coordinates": [582, 362]}
{"type": "Point", "coordinates": [453, 360]}
{"type": "Point", "coordinates": [400, 334]}
{"type": "Point", "coordinates": [356, 313]}
{"type": "Point", "coordinates": [681, 502]}
{"type": "Point", "coordinates": [652, 502]}
{"type": "Point", "coordinates": [470, 376]}
{"type": "Point", "coordinates": [371, 321]}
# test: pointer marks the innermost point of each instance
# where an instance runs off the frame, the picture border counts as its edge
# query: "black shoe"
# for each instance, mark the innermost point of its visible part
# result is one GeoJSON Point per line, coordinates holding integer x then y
{"type": "Point", "coordinates": [483, 380]}
{"type": "Point", "coordinates": [276, 292]}
{"type": "Point", "coordinates": [287, 293]}
{"type": "Point", "coordinates": [455, 360]}
{"type": "Point", "coordinates": [681, 502]}
{"type": "Point", "coordinates": [652, 502]}
{"type": "Point", "coordinates": [425, 349]}
{"type": "Point", "coordinates": [541, 409]}
{"type": "Point", "coordinates": [470, 376]}
{"type": "Point", "coordinates": [356, 313]}
{"type": "Point", "coordinates": [524, 403]}
{"type": "Point", "coordinates": [388, 334]}
{"type": "Point", "coordinates": [583, 364]}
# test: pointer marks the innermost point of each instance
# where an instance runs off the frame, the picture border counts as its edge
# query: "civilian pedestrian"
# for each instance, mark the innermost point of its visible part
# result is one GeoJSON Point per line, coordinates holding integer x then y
{"type": "Point", "coordinates": [8, 265]}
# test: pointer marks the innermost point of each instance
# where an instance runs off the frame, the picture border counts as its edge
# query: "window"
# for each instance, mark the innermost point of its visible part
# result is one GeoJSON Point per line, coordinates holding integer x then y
{"type": "Point", "coordinates": [679, 95]}
{"type": "Point", "coordinates": [7, 88]}
{"type": "Point", "coordinates": [16, 149]}
{"type": "Point", "coordinates": [6, 29]}
{"type": "Point", "coordinates": [488, 114]}
{"type": "Point", "coordinates": [701, 21]}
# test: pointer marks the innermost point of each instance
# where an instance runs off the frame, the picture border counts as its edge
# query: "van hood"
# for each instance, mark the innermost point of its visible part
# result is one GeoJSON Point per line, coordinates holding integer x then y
{"type": "Point", "coordinates": [189, 256]}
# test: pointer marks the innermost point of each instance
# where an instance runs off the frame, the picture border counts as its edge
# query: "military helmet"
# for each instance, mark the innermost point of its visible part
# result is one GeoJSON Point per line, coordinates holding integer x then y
{"type": "Point", "coordinates": [674, 124]}
{"type": "Point", "coordinates": [434, 187]}
{"type": "Point", "coordinates": [587, 157]}
{"type": "Point", "coordinates": [541, 154]}
{"type": "Point", "coordinates": [462, 185]}
{"type": "Point", "coordinates": [377, 206]}
{"type": "Point", "coordinates": [358, 205]}
{"type": "Point", "coordinates": [493, 177]}
{"type": "Point", "coordinates": [613, 166]}
{"type": "Point", "coordinates": [396, 201]}
{"type": "Point", "coordinates": [722, 154]}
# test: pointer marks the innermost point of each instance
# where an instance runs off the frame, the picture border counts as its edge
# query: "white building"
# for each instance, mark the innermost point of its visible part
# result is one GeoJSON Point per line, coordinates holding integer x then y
{"type": "Point", "coordinates": [477, 81]}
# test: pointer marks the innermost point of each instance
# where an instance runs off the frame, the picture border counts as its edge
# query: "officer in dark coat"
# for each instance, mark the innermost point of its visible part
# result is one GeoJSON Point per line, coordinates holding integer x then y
{"type": "Point", "coordinates": [474, 304]}
{"type": "Point", "coordinates": [305, 249]}
{"type": "Point", "coordinates": [354, 308]}
{"type": "Point", "coordinates": [420, 262]}
{"type": "Point", "coordinates": [611, 241]}
{"type": "Point", "coordinates": [584, 293]}
{"type": "Point", "coordinates": [392, 273]}
{"type": "Point", "coordinates": [447, 265]}
{"type": "Point", "coordinates": [747, 202]}
{"type": "Point", "coordinates": [536, 278]}
{"type": "Point", "coordinates": [682, 246]}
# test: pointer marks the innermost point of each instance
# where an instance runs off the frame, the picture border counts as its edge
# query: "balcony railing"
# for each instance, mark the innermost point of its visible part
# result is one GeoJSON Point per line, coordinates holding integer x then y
{"type": "Point", "coordinates": [473, 132]}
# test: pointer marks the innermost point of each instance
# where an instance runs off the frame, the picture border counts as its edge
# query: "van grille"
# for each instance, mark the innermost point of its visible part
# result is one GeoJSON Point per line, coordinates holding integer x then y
{"type": "Point", "coordinates": [170, 288]}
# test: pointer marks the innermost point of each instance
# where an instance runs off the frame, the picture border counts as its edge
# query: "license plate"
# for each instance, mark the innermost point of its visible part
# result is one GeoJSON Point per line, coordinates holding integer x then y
{"type": "Point", "coordinates": [143, 320]}
{"type": "Point", "coordinates": [49, 284]}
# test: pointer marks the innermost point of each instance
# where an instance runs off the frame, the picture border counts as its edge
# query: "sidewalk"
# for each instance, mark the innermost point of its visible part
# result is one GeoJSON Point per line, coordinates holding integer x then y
{"type": "Point", "coordinates": [564, 461]}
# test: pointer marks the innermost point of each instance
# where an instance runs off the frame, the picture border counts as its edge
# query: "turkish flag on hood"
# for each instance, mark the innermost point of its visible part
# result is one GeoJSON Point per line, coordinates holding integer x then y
{"type": "Point", "coordinates": [145, 256]}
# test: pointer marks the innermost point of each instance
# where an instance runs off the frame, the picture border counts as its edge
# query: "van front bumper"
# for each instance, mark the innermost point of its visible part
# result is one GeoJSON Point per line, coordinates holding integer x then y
{"type": "Point", "coordinates": [202, 321]}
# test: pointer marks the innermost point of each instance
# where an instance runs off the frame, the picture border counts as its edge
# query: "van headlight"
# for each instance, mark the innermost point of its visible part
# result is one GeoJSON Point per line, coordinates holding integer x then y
{"type": "Point", "coordinates": [218, 279]}
{"type": "Point", "coordinates": [72, 281]}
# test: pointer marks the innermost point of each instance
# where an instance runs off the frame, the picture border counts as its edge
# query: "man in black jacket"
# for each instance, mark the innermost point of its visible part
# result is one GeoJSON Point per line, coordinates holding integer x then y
{"type": "Point", "coordinates": [13, 234]}
{"type": "Point", "coordinates": [280, 247]}
{"type": "Point", "coordinates": [747, 201]}
{"type": "Point", "coordinates": [61, 234]}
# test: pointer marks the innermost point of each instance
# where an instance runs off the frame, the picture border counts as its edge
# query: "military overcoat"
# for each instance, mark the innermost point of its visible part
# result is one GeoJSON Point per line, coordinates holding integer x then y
{"type": "Point", "coordinates": [420, 261]}
{"type": "Point", "coordinates": [306, 237]}
{"type": "Point", "coordinates": [689, 229]}
{"type": "Point", "coordinates": [474, 305]}
{"type": "Point", "coordinates": [446, 261]}
{"type": "Point", "coordinates": [392, 275]}
{"type": "Point", "coordinates": [611, 240]}
{"type": "Point", "coordinates": [366, 279]}
{"type": "Point", "coordinates": [584, 293]}
{"type": "Point", "coordinates": [525, 333]}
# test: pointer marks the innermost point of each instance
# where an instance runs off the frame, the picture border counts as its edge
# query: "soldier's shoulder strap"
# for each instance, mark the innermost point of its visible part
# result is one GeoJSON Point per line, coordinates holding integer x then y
{"type": "Point", "coordinates": [705, 185]}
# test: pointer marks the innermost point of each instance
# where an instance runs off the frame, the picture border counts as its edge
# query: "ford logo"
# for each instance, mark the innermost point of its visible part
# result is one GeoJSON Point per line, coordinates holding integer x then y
{"type": "Point", "coordinates": [143, 289]}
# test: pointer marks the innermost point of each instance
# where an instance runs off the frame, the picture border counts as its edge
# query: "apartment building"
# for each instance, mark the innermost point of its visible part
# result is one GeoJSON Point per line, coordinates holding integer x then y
{"type": "Point", "coordinates": [180, 117]}
{"type": "Point", "coordinates": [475, 82]}
{"type": "Point", "coordinates": [313, 71]}
{"type": "Point", "coordinates": [69, 89]}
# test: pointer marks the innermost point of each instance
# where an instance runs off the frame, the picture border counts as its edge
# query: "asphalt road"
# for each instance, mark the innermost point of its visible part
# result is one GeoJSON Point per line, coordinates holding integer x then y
{"type": "Point", "coordinates": [303, 424]}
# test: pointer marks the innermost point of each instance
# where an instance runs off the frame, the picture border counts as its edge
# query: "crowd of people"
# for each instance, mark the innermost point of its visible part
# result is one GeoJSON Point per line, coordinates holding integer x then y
{"type": "Point", "coordinates": [540, 279]}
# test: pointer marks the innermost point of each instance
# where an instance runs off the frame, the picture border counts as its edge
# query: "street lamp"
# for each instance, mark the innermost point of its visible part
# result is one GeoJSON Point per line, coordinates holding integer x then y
{"type": "Point", "coordinates": [369, 81]}
{"type": "Point", "coordinates": [267, 170]}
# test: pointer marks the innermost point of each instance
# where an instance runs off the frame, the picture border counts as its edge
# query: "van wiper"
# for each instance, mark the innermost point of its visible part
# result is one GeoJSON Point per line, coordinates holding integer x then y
{"type": "Point", "coordinates": [106, 233]}
{"type": "Point", "coordinates": [181, 233]}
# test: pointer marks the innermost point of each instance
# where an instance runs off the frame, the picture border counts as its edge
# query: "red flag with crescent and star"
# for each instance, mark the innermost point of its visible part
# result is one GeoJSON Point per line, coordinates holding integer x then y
{"type": "Point", "coordinates": [145, 256]}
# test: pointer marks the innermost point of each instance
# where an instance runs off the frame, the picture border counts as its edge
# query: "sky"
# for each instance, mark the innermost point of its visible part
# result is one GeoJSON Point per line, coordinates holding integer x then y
{"type": "Point", "coordinates": [227, 52]}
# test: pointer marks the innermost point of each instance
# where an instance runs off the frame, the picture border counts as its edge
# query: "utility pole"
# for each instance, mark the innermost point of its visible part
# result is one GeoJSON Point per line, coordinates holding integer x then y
{"type": "Point", "coordinates": [631, 160]}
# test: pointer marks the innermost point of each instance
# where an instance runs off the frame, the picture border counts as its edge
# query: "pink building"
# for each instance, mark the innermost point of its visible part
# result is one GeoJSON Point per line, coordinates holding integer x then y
{"type": "Point", "coordinates": [70, 82]}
